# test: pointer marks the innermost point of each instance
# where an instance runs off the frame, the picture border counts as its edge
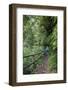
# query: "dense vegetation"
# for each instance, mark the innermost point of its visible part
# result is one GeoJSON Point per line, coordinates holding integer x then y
{"type": "Point", "coordinates": [39, 32]}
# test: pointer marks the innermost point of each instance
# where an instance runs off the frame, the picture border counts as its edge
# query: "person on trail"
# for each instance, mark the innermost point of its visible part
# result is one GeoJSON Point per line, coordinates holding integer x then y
{"type": "Point", "coordinates": [46, 50]}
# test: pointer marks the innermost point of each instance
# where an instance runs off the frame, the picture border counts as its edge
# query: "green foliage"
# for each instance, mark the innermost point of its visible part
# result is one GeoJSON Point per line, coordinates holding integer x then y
{"type": "Point", "coordinates": [39, 32]}
{"type": "Point", "coordinates": [52, 63]}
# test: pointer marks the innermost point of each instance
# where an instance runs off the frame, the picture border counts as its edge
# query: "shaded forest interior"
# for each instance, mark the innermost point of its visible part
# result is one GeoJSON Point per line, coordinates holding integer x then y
{"type": "Point", "coordinates": [40, 44]}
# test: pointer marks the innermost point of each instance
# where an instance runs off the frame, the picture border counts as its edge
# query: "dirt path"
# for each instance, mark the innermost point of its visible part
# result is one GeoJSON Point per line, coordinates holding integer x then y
{"type": "Point", "coordinates": [42, 68]}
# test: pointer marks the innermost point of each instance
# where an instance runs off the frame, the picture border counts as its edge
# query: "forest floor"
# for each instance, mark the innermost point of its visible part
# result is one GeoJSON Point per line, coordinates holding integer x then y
{"type": "Point", "coordinates": [42, 68]}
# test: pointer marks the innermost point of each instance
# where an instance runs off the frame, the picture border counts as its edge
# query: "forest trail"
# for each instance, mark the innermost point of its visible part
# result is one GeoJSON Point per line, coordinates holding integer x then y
{"type": "Point", "coordinates": [42, 68]}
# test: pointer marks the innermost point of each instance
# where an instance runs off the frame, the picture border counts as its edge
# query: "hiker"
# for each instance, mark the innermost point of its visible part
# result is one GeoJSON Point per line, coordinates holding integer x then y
{"type": "Point", "coordinates": [46, 50]}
